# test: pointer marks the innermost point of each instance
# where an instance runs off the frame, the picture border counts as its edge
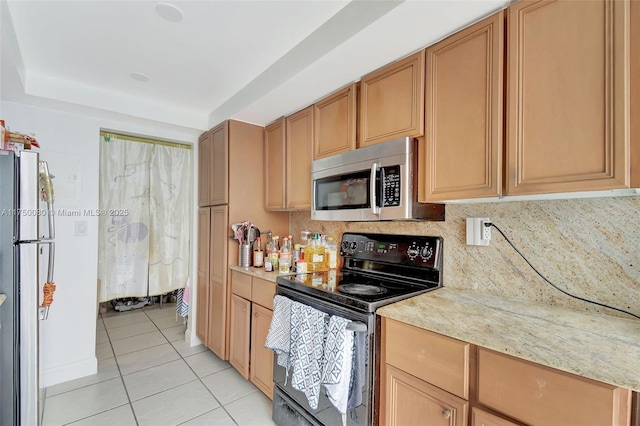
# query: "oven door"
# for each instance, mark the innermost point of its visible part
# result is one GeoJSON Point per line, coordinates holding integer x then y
{"type": "Point", "coordinates": [290, 406]}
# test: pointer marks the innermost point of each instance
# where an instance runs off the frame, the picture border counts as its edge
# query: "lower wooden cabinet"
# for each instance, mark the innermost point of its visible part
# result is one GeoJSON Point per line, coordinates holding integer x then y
{"type": "Point", "coordinates": [261, 357]}
{"type": "Point", "coordinates": [424, 382]}
{"type": "Point", "coordinates": [239, 334]}
{"type": "Point", "coordinates": [251, 313]}
{"type": "Point", "coordinates": [411, 401]}
{"type": "Point", "coordinates": [482, 418]}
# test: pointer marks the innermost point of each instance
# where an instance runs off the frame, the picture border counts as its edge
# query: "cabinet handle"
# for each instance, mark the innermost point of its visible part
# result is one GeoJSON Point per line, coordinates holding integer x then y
{"type": "Point", "coordinates": [446, 414]}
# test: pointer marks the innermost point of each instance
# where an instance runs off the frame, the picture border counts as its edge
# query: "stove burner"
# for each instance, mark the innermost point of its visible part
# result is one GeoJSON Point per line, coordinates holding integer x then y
{"type": "Point", "coordinates": [361, 289]}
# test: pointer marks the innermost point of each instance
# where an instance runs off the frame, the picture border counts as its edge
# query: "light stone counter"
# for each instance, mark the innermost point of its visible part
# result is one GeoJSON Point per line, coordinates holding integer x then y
{"type": "Point", "coordinates": [596, 346]}
{"type": "Point", "coordinates": [258, 273]}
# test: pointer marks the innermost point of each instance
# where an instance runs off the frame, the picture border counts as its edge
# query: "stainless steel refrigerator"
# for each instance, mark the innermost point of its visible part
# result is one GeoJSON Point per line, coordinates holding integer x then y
{"type": "Point", "coordinates": [26, 236]}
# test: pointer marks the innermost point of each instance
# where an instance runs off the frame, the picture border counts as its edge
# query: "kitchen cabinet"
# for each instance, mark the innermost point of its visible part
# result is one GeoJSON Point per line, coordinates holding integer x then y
{"type": "Point", "coordinates": [335, 123]}
{"type": "Point", "coordinates": [431, 379]}
{"type": "Point", "coordinates": [482, 418]}
{"type": "Point", "coordinates": [204, 169]}
{"type": "Point", "coordinates": [299, 154]}
{"type": "Point", "coordinates": [240, 334]}
{"type": "Point", "coordinates": [568, 94]}
{"type": "Point", "coordinates": [217, 303]}
{"type": "Point", "coordinates": [261, 357]}
{"type": "Point", "coordinates": [202, 285]}
{"type": "Point", "coordinates": [274, 165]}
{"type": "Point", "coordinates": [213, 163]}
{"type": "Point", "coordinates": [288, 148]}
{"type": "Point", "coordinates": [538, 395]}
{"type": "Point", "coordinates": [240, 152]}
{"type": "Point", "coordinates": [251, 313]}
{"type": "Point", "coordinates": [464, 109]}
{"type": "Point", "coordinates": [392, 101]}
{"type": "Point", "coordinates": [425, 377]}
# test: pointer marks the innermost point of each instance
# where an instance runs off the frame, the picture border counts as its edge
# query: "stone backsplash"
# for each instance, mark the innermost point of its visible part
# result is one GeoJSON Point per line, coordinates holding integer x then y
{"type": "Point", "coordinates": [588, 247]}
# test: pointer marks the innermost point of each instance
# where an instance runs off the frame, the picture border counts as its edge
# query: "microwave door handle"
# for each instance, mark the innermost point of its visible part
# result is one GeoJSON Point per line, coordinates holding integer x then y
{"type": "Point", "coordinates": [372, 189]}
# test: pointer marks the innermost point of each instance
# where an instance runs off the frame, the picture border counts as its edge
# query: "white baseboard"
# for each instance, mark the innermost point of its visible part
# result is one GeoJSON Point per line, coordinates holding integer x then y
{"type": "Point", "coordinates": [53, 376]}
{"type": "Point", "coordinates": [190, 338]}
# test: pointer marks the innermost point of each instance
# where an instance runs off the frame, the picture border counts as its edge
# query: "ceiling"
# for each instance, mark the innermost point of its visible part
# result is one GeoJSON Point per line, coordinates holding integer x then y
{"type": "Point", "coordinates": [253, 61]}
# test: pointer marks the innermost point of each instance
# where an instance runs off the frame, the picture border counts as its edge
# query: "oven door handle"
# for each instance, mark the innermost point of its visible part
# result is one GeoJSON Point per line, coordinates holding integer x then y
{"type": "Point", "coordinates": [357, 326]}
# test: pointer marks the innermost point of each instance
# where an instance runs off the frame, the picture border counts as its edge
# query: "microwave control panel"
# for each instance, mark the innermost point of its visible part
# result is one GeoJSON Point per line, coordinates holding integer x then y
{"type": "Point", "coordinates": [391, 189]}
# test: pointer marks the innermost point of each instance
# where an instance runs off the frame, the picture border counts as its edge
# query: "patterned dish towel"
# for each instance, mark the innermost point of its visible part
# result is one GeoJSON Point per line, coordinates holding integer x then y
{"type": "Point", "coordinates": [279, 335]}
{"type": "Point", "coordinates": [308, 330]}
{"type": "Point", "coordinates": [338, 359]}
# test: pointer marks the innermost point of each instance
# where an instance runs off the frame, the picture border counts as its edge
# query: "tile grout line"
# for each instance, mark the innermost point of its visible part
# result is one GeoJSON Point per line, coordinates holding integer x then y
{"type": "Point", "coordinates": [124, 385]}
{"type": "Point", "coordinates": [199, 379]}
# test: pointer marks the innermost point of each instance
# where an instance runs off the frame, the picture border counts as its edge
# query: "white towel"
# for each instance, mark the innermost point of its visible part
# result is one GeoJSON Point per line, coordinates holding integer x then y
{"type": "Point", "coordinates": [279, 335]}
{"type": "Point", "coordinates": [338, 360]}
{"type": "Point", "coordinates": [308, 330]}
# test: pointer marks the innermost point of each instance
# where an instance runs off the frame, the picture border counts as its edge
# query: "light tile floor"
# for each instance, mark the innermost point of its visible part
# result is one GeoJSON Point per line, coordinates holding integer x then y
{"type": "Point", "coordinates": [148, 375]}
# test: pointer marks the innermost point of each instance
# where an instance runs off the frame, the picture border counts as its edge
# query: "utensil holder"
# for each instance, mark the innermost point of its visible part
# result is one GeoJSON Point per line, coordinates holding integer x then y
{"type": "Point", "coordinates": [244, 256]}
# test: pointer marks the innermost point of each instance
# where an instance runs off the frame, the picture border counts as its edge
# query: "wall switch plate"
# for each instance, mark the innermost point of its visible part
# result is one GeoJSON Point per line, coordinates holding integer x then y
{"type": "Point", "coordinates": [477, 233]}
{"type": "Point", "coordinates": [81, 228]}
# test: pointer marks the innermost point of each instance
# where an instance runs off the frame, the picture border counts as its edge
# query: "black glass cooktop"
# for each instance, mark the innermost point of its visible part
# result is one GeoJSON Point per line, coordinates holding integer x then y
{"type": "Point", "coordinates": [355, 290]}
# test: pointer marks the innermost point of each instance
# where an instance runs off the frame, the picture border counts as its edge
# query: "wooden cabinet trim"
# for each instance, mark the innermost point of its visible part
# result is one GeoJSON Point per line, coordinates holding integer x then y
{"type": "Point", "coordinates": [438, 180]}
{"type": "Point", "coordinates": [342, 135]}
{"type": "Point", "coordinates": [614, 171]}
{"type": "Point", "coordinates": [416, 127]}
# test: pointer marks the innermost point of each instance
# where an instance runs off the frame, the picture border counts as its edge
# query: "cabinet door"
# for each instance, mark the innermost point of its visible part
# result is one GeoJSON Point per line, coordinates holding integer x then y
{"type": "Point", "coordinates": [335, 123]}
{"type": "Point", "coordinates": [538, 395]}
{"type": "Point", "coordinates": [299, 145]}
{"type": "Point", "coordinates": [219, 185]}
{"type": "Point", "coordinates": [274, 173]}
{"type": "Point", "coordinates": [392, 101]}
{"type": "Point", "coordinates": [261, 357]}
{"type": "Point", "coordinates": [463, 155]}
{"type": "Point", "coordinates": [240, 334]}
{"type": "Point", "coordinates": [202, 291]}
{"type": "Point", "coordinates": [411, 401]}
{"type": "Point", "coordinates": [204, 169]}
{"type": "Point", "coordinates": [218, 281]}
{"type": "Point", "coordinates": [568, 96]}
{"type": "Point", "coordinates": [482, 418]}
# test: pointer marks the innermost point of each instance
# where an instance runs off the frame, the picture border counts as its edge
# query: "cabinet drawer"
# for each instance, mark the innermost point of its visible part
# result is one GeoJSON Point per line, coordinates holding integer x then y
{"type": "Point", "coordinates": [263, 292]}
{"type": "Point", "coordinates": [241, 284]}
{"type": "Point", "coordinates": [434, 358]}
{"type": "Point", "coordinates": [539, 395]}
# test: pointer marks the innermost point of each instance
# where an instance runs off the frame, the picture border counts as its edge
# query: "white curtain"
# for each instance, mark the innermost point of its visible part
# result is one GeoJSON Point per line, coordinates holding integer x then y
{"type": "Point", "coordinates": [144, 222]}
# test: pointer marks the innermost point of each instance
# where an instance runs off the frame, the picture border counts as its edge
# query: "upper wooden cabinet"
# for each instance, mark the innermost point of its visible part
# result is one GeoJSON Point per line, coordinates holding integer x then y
{"type": "Point", "coordinates": [299, 145]}
{"type": "Point", "coordinates": [274, 165]}
{"type": "Point", "coordinates": [462, 155]}
{"type": "Point", "coordinates": [392, 101]}
{"type": "Point", "coordinates": [288, 145]}
{"type": "Point", "coordinates": [568, 96]}
{"type": "Point", "coordinates": [335, 123]}
{"type": "Point", "coordinates": [219, 137]}
{"type": "Point", "coordinates": [213, 163]}
{"type": "Point", "coordinates": [204, 169]}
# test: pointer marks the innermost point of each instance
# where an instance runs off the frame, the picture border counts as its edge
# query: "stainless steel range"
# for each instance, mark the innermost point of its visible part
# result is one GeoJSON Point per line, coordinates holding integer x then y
{"type": "Point", "coordinates": [378, 269]}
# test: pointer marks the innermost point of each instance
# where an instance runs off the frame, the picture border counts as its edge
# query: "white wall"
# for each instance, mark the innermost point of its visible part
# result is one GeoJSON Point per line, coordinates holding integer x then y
{"type": "Point", "coordinates": [70, 143]}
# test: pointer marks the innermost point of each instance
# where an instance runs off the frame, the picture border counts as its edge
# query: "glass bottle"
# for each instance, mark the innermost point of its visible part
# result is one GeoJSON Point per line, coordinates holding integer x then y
{"type": "Point", "coordinates": [258, 254]}
{"type": "Point", "coordinates": [284, 261]}
{"type": "Point", "coordinates": [268, 266]}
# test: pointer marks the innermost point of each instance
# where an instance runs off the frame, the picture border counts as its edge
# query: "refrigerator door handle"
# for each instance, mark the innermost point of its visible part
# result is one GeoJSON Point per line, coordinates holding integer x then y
{"type": "Point", "coordinates": [47, 192]}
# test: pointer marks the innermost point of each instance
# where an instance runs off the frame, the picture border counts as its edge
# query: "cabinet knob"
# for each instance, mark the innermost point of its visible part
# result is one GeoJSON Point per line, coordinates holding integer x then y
{"type": "Point", "coordinates": [446, 414]}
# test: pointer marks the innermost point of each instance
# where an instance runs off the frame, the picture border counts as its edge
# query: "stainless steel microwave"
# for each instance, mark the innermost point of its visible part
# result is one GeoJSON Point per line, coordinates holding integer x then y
{"type": "Point", "coordinates": [370, 184]}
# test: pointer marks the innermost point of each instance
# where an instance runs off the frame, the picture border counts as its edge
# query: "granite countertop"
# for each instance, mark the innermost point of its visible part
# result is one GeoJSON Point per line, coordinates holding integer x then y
{"type": "Point", "coordinates": [596, 346]}
{"type": "Point", "coordinates": [258, 273]}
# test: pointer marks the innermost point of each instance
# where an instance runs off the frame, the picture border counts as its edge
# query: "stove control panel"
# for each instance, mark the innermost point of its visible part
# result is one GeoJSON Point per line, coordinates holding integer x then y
{"type": "Point", "coordinates": [412, 250]}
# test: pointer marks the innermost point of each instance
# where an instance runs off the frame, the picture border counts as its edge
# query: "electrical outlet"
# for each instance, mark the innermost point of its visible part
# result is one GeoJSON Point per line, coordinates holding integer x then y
{"type": "Point", "coordinates": [477, 233]}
